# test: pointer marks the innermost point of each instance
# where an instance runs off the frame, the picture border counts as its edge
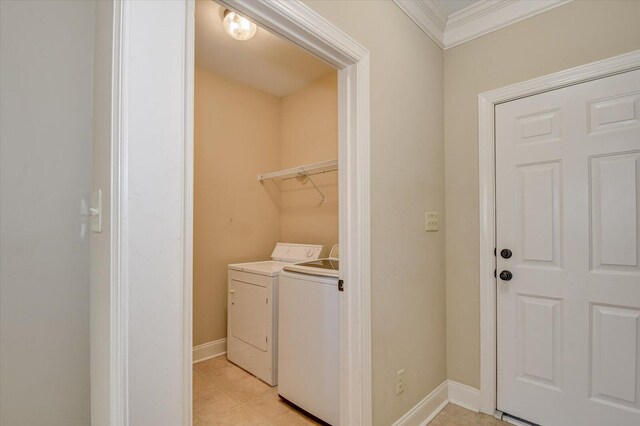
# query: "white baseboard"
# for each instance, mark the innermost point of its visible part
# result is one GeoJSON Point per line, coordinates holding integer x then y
{"type": "Point", "coordinates": [464, 396]}
{"type": "Point", "coordinates": [448, 392]}
{"type": "Point", "coordinates": [209, 350]}
{"type": "Point", "coordinates": [424, 411]}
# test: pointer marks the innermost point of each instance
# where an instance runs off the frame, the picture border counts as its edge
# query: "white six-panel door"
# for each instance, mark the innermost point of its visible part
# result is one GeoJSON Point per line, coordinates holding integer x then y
{"type": "Point", "coordinates": [568, 206]}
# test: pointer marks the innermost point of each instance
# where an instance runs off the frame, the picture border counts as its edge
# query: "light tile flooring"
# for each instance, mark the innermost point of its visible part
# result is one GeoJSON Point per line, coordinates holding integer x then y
{"type": "Point", "coordinates": [224, 394]}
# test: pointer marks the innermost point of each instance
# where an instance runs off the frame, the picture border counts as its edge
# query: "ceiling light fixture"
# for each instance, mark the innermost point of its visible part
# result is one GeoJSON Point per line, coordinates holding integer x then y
{"type": "Point", "coordinates": [238, 27]}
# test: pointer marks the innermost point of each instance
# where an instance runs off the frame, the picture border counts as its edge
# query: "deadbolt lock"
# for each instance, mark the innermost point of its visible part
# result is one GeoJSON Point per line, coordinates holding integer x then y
{"type": "Point", "coordinates": [506, 275]}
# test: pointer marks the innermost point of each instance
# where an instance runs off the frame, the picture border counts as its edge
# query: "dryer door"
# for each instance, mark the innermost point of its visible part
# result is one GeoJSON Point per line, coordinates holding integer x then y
{"type": "Point", "coordinates": [249, 313]}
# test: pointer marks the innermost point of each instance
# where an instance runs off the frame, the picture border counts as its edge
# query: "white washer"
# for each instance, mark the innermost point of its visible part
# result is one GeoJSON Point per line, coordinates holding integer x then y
{"type": "Point", "coordinates": [309, 338]}
{"type": "Point", "coordinates": [252, 310]}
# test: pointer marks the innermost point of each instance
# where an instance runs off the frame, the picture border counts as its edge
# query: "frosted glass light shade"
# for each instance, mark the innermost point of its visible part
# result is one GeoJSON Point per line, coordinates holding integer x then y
{"type": "Point", "coordinates": [238, 27]}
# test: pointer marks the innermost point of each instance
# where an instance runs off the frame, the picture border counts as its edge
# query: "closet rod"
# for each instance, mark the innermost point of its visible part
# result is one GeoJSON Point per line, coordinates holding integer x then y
{"type": "Point", "coordinates": [302, 174]}
{"type": "Point", "coordinates": [305, 170]}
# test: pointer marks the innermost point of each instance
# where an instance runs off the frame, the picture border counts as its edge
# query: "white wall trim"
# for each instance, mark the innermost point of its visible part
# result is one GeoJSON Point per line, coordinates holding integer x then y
{"type": "Point", "coordinates": [187, 211]}
{"type": "Point", "coordinates": [425, 410]}
{"type": "Point", "coordinates": [119, 288]}
{"type": "Point", "coordinates": [429, 407]}
{"type": "Point", "coordinates": [474, 21]}
{"type": "Point", "coordinates": [486, 142]}
{"type": "Point", "coordinates": [491, 15]}
{"type": "Point", "coordinates": [121, 237]}
{"type": "Point", "coordinates": [464, 396]}
{"type": "Point", "coordinates": [209, 350]}
{"type": "Point", "coordinates": [427, 15]}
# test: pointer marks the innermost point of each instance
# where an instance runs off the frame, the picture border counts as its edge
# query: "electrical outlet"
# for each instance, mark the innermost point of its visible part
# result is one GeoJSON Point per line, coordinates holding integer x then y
{"type": "Point", "coordinates": [400, 382]}
{"type": "Point", "coordinates": [431, 221]}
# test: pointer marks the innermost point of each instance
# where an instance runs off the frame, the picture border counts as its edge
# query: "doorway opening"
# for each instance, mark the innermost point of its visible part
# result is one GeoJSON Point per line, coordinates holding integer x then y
{"type": "Point", "coordinates": [265, 198]}
{"type": "Point", "coordinates": [280, 176]}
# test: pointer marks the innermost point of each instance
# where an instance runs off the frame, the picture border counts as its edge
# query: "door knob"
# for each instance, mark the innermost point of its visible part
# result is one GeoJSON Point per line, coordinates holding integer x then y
{"type": "Point", "coordinates": [506, 253]}
{"type": "Point", "coordinates": [506, 275]}
{"type": "Point", "coordinates": [232, 291]}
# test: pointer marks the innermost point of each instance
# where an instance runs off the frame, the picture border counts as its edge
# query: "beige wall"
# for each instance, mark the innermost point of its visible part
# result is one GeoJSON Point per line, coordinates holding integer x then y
{"type": "Point", "coordinates": [239, 133]}
{"type": "Point", "coordinates": [237, 136]}
{"type": "Point", "coordinates": [407, 174]}
{"type": "Point", "coordinates": [309, 126]}
{"type": "Point", "coordinates": [571, 35]}
{"type": "Point", "coordinates": [46, 62]}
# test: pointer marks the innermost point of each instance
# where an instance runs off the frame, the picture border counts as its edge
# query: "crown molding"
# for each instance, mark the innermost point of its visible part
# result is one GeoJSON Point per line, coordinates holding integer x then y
{"type": "Point", "coordinates": [428, 16]}
{"type": "Point", "coordinates": [474, 21]}
{"type": "Point", "coordinates": [490, 15]}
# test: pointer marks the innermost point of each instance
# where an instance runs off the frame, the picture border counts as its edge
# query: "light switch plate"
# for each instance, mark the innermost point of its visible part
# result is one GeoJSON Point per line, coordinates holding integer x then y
{"type": "Point", "coordinates": [431, 221]}
{"type": "Point", "coordinates": [400, 382]}
{"type": "Point", "coordinates": [95, 211]}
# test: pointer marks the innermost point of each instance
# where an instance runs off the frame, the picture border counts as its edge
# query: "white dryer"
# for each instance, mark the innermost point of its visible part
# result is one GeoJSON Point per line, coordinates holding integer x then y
{"type": "Point", "coordinates": [252, 309]}
{"type": "Point", "coordinates": [309, 338]}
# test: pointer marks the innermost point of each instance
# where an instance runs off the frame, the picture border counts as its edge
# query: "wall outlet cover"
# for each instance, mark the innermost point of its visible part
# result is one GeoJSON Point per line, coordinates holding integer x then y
{"type": "Point", "coordinates": [431, 221]}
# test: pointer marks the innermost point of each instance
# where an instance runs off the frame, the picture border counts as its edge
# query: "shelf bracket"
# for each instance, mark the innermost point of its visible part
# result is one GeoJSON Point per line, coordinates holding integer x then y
{"type": "Point", "coordinates": [307, 178]}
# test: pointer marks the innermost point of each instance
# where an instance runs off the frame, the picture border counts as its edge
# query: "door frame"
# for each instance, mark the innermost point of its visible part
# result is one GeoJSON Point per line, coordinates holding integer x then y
{"type": "Point", "coordinates": [304, 27]}
{"type": "Point", "coordinates": [487, 197]}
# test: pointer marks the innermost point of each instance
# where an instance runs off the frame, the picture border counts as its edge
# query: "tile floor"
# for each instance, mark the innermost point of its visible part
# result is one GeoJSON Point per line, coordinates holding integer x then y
{"type": "Point", "coordinates": [224, 394]}
{"type": "Point", "coordinates": [452, 415]}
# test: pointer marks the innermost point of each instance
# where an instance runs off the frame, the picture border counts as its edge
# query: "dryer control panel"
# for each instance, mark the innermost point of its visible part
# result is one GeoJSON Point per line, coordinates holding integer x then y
{"type": "Point", "coordinates": [286, 252]}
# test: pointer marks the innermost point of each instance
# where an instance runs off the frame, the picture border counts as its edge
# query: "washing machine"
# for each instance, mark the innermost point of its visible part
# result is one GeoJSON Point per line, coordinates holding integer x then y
{"type": "Point", "coordinates": [309, 338]}
{"type": "Point", "coordinates": [252, 309]}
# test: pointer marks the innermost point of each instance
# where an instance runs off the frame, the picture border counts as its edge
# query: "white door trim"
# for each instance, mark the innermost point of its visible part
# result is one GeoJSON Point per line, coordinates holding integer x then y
{"type": "Point", "coordinates": [119, 279]}
{"type": "Point", "coordinates": [299, 24]}
{"type": "Point", "coordinates": [188, 177]}
{"type": "Point", "coordinates": [487, 200]}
